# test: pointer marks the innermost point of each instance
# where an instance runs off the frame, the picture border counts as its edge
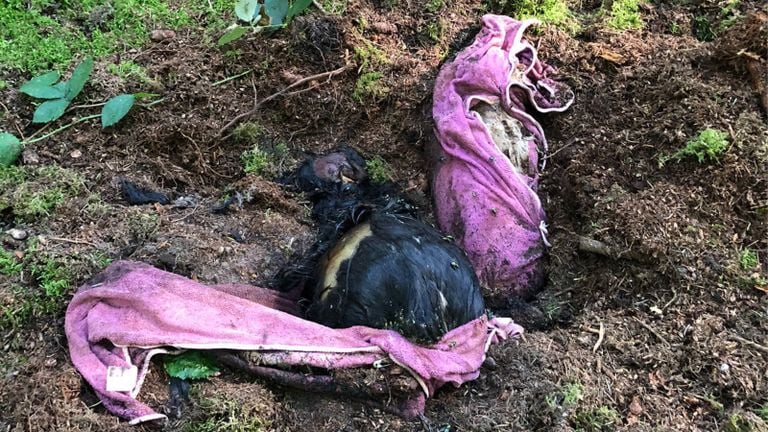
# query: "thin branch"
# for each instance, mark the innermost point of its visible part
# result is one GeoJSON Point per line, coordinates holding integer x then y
{"type": "Point", "coordinates": [327, 75]}
{"type": "Point", "coordinates": [600, 337]}
{"type": "Point", "coordinates": [654, 332]}
{"type": "Point", "coordinates": [66, 240]}
{"type": "Point", "coordinates": [93, 105]}
{"type": "Point", "coordinates": [153, 103]}
{"type": "Point", "coordinates": [749, 343]}
{"type": "Point", "coordinates": [228, 79]}
{"type": "Point", "coordinates": [66, 126]}
{"type": "Point", "coordinates": [319, 6]}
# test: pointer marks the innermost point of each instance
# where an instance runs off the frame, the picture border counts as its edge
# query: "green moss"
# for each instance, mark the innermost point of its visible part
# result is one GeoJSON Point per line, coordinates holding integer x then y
{"type": "Point", "coordinates": [25, 305]}
{"type": "Point", "coordinates": [9, 264]}
{"type": "Point", "coordinates": [762, 412]}
{"type": "Point", "coordinates": [572, 394]}
{"type": "Point", "coordinates": [434, 31]}
{"type": "Point", "coordinates": [369, 87]}
{"type": "Point", "coordinates": [625, 14]}
{"type": "Point", "coordinates": [228, 415]}
{"type": "Point", "coordinates": [702, 29]}
{"type": "Point", "coordinates": [369, 57]}
{"type": "Point", "coordinates": [748, 259]}
{"type": "Point", "coordinates": [143, 225]}
{"type": "Point", "coordinates": [255, 160]}
{"type": "Point", "coordinates": [35, 37]}
{"type": "Point", "coordinates": [434, 5]}
{"type": "Point", "coordinates": [335, 7]}
{"type": "Point", "coordinates": [553, 12]}
{"type": "Point", "coordinates": [52, 276]}
{"type": "Point", "coordinates": [248, 132]}
{"type": "Point", "coordinates": [378, 170]}
{"type": "Point", "coordinates": [35, 192]}
{"type": "Point", "coordinates": [596, 420]}
{"type": "Point", "coordinates": [707, 146]}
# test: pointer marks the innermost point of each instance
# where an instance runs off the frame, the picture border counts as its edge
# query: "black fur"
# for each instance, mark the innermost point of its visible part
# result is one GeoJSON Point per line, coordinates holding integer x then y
{"type": "Point", "coordinates": [392, 280]}
{"type": "Point", "coordinates": [404, 276]}
{"type": "Point", "coordinates": [137, 195]}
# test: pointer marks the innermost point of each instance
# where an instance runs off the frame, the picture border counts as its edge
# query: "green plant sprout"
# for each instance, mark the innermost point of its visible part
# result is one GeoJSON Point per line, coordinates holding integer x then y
{"type": "Point", "coordinates": [57, 96]}
{"type": "Point", "coordinates": [271, 15]}
{"type": "Point", "coordinates": [748, 259]}
{"type": "Point", "coordinates": [707, 146]}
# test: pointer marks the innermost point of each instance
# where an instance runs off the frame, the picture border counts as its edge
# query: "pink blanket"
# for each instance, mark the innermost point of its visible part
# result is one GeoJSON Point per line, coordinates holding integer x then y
{"type": "Point", "coordinates": [131, 311]}
{"type": "Point", "coordinates": [485, 181]}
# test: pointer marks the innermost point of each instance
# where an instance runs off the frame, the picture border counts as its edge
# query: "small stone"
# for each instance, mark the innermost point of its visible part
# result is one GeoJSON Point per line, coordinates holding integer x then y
{"type": "Point", "coordinates": [725, 367]}
{"type": "Point", "coordinates": [635, 407]}
{"type": "Point", "coordinates": [489, 363]}
{"type": "Point", "coordinates": [51, 362]}
{"type": "Point", "coordinates": [17, 234]}
{"type": "Point", "coordinates": [19, 254]}
{"type": "Point", "coordinates": [75, 154]}
{"type": "Point", "coordinates": [161, 35]}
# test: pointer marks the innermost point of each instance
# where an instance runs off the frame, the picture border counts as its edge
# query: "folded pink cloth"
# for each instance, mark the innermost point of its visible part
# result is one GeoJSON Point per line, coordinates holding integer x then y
{"type": "Point", "coordinates": [485, 182]}
{"type": "Point", "coordinates": [122, 317]}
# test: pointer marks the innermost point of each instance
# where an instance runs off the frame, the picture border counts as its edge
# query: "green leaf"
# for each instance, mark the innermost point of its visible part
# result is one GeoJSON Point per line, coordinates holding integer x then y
{"type": "Point", "coordinates": [47, 79]}
{"type": "Point", "coordinates": [232, 35]}
{"type": "Point", "coordinates": [116, 108]}
{"type": "Point", "coordinates": [276, 11]}
{"type": "Point", "coordinates": [247, 10]}
{"type": "Point", "coordinates": [10, 149]}
{"type": "Point", "coordinates": [296, 8]}
{"type": "Point", "coordinates": [79, 78]}
{"type": "Point", "coordinates": [49, 111]}
{"type": "Point", "coordinates": [190, 365]}
{"type": "Point", "coordinates": [41, 87]}
{"type": "Point", "coordinates": [42, 91]}
{"type": "Point", "coordinates": [62, 87]}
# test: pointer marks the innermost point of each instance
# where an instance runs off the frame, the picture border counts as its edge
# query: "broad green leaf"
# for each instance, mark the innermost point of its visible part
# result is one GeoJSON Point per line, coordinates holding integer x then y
{"type": "Point", "coordinates": [10, 149]}
{"type": "Point", "coordinates": [41, 87]}
{"type": "Point", "coordinates": [41, 91]}
{"type": "Point", "coordinates": [47, 78]}
{"type": "Point", "coordinates": [232, 35]}
{"type": "Point", "coordinates": [247, 10]}
{"type": "Point", "coordinates": [296, 8]}
{"type": "Point", "coordinates": [62, 87]}
{"type": "Point", "coordinates": [49, 111]}
{"type": "Point", "coordinates": [190, 365]}
{"type": "Point", "coordinates": [79, 78]}
{"type": "Point", "coordinates": [115, 109]}
{"type": "Point", "coordinates": [276, 11]}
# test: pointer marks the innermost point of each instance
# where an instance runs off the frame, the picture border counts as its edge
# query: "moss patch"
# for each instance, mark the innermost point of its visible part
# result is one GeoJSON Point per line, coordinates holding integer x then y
{"type": "Point", "coordinates": [42, 34]}
{"type": "Point", "coordinates": [32, 193]}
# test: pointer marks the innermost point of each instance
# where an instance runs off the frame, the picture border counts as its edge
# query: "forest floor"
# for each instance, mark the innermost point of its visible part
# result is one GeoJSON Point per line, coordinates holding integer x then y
{"type": "Point", "coordinates": [665, 329]}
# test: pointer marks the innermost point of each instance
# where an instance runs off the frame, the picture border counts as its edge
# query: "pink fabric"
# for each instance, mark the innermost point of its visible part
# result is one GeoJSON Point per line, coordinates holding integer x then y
{"type": "Point", "coordinates": [144, 309]}
{"type": "Point", "coordinates": [481, 199]}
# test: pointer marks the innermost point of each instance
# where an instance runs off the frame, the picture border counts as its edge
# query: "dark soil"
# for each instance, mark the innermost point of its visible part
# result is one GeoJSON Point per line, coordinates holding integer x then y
{"type": "Point", "coordinates": [685, 325]}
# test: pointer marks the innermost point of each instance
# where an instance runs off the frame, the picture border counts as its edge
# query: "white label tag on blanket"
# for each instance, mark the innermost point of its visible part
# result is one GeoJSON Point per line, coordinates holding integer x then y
{"type": "Point", "coordinates": [121, 379]}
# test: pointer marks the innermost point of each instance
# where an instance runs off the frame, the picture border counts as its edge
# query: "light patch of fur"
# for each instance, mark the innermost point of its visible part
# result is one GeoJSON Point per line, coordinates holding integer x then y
{"type": "Point", "coordinates": [507, 133]}
{"type": "Point", "coordinates": [344, 249]}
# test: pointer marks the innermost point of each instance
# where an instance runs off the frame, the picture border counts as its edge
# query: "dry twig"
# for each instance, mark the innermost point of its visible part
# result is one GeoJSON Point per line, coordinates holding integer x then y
{"type": "Point", "coordinates": [66, 240]}
{"type": "Point", "coordinates": [653, 332]}
{"type": "Point", "coordinates": [286, 91]}
{"type": "Point", "coordinates": [749, 343]}
{"type": "Point", "coordinates": [600, 337]}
